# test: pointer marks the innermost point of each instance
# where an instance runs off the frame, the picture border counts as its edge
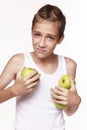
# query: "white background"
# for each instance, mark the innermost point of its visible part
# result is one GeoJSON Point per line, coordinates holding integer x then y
{"type": "Point", "coordinates": [15, 36]}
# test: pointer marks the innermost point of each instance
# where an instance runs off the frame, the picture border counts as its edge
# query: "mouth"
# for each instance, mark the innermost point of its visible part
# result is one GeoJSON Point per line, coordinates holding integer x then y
{"type": "Point", "coordinates": [40, 50]}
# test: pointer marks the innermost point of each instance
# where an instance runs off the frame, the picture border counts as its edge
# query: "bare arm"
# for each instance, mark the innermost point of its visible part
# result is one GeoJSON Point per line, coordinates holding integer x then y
{"type": "Point", "coordinates": [5, 94]}
{"type": "Point", "coordinates": [8, 75]}
{"type": "Point", "coordinates": [72, 96]}
{"type": "Point", "coordinates": [68, 97]}
{"type": "Point", "coordinates": [12, 72]}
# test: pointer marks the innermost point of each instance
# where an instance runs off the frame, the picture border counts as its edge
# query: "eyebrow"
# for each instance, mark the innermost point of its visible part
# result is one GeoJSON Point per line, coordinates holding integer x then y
{"type": "Point", "coordinates": [46, 33]}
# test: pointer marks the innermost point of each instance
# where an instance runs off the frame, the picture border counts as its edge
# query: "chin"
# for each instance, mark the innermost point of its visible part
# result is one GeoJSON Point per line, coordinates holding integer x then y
{"type": "Point", "coordinates": [40, 55]}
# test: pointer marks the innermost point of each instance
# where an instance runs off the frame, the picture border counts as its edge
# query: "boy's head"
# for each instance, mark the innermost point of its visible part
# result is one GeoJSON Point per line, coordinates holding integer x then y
{"type": "Point", "coordinates": [53, 14]}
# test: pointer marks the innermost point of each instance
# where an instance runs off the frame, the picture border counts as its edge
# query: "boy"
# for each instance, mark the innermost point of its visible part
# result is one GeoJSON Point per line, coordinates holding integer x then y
{"type": "Point", "coordinates": [37, 93]}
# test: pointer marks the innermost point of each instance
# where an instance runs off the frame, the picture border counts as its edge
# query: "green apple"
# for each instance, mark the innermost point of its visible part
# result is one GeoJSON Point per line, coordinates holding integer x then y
{"type": "Point", "coordinates": [26, 71]}
{"type": "Point", "coordinates": [64, 82]}
{"type": "Point", "coordinates": [60, 106]}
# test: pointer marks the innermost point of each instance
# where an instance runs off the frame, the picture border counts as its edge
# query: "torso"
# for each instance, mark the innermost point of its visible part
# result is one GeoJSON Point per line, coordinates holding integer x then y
{"type": "Point", "coordinates": [39, 102]}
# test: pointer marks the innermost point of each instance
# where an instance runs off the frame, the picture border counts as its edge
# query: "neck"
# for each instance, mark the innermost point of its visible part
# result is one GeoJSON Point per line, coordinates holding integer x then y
{"type": "Point", "coordinates": [48, 59]}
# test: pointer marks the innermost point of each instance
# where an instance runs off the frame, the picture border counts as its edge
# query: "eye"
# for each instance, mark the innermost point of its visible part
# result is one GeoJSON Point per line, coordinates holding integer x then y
{"type": "Point", "coordinates": [50, 38]}
{"type": "Point", "coordinates": [37, 35]}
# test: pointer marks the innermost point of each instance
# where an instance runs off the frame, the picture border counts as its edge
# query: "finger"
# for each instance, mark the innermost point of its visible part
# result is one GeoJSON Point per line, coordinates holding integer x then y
{"type": "Point", "coordinates": [59, 98]}
{"type": "Point", "coordinates": [34, 79]}
{"type": "Point", "coordinates": [58, 92]}
{"type": "Point", "coordinates": [33, 85]}
{"type": "Point", "coordinates": [34, 73]}
{"type": "Point", "coordinates": [62, 89]}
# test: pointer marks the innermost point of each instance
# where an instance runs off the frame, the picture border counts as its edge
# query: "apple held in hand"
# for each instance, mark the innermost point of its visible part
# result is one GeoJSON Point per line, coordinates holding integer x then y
{"type": "Point", "coordinates": [64, 82]}
{"type": "Point", "coordinates": [26, 72]}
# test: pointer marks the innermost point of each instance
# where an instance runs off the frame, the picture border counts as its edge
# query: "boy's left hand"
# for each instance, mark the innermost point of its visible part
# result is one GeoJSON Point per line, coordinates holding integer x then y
{"type": "Point", "coordinates": [65, 96]}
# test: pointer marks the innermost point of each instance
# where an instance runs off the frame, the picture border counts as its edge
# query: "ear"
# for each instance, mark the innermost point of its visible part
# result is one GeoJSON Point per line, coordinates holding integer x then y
{"type": "Point", "coordinates": [61, 39]}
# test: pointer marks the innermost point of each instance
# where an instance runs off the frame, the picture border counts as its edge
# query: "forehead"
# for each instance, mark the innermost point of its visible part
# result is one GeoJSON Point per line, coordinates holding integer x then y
{"type": "Point", "coordinates": [46, 27]}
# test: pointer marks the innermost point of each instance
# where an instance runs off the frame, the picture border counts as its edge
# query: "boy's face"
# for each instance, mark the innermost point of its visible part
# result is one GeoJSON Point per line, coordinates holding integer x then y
{"type": "Point", "coordinates": [45, 37]}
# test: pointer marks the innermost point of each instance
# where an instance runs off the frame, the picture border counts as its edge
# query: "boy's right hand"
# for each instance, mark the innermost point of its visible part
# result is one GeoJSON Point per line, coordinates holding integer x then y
{"type": "Point", "coordinates": [23, 86]}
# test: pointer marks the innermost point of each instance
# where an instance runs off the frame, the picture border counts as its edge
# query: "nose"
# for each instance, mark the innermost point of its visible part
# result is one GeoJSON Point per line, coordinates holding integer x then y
{"type": "Point", "coordinates": [42, 42]}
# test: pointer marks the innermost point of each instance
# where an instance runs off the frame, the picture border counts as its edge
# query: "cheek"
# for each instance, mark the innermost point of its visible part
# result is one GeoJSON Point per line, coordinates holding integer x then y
{"type": "Point", "coordinates": [52, 46]}
{"type": "Point", "coordinates": [34, 41]}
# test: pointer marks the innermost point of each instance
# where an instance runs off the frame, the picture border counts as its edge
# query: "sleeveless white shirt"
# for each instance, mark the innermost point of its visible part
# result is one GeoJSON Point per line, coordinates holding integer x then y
{"type": "Point", "coordinates": [36, 111]}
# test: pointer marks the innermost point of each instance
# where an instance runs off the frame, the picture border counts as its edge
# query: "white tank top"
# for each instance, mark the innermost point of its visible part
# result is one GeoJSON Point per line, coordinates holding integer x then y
{"type": "Point", "coordinates": [36, 111]}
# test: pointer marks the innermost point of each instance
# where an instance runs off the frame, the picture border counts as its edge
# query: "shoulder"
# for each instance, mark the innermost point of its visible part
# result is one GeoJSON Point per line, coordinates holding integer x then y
{"type": "Point", "coordinates": [70, 62]}
{"type": "Point", "coordinates": [71, 66]}
{"type": "Point", "coordinates": [17, 61]}
{"type": "Point", "coordinates": [17, 57]}
{"type": "Point", "coordinates": [14, 64]}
